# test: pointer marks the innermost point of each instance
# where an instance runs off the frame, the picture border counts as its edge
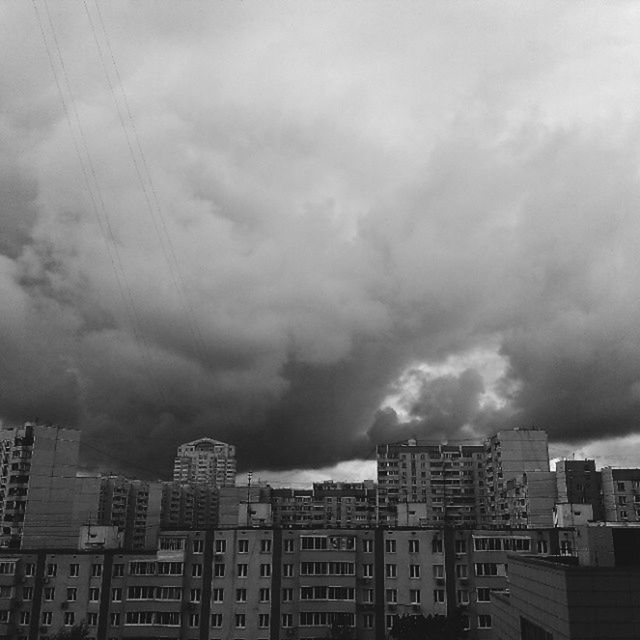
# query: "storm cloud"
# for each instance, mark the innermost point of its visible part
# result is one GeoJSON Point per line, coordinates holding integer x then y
{"type": "Point", "coordinates": [250, 221]}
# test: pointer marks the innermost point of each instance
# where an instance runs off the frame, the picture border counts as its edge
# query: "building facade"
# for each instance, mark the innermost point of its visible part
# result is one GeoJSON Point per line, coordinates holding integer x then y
{"type": "Point", "coordinates": [446, 478]}
{"type": "Point", "coordinates": [37, 479]}
{"type": "Point", "coordinates": [508, 454]}
{"type": "Point", "coordinates": [206, 461]}
{"type": "Point", "coordinates": [263, 583]}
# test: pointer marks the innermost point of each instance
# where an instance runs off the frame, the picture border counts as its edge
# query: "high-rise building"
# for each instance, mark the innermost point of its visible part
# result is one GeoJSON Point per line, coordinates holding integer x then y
{"type": "Point", "coordinates": [206, 461]}
{"type": "Point", "coordinates": [37, 479]}
{"type": "Point", "coordinates": [621, 494]}
{"type": "Point", "coordinates": [445, 477]}
{"type": "Point", "coordinates": [508, 454]}
{"type": "Point", "coordinates": [189, 506]}
{"type": "Point", "coordinates": [579, 483]}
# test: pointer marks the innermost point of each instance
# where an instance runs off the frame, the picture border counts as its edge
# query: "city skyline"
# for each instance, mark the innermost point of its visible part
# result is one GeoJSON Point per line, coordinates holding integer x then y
{"type": "Point", "coordinates": [310, 228]}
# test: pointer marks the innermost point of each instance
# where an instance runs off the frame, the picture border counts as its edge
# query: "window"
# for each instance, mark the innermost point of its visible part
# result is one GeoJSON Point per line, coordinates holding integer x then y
{"type": "Point", "coordinates": [542, 546]}
{"type": "Point", "coordinates": [74, 570]}
{"type": "Point", "coordinates": [170, 568]}
{"type": "Point", "coordinates": [243, 546]}
{"type": "Point", "coordinates": [69, 618]}
{"type": "Point", "coordinates": [169, 543]}
{"type": "Point", "coordinates": [47, 616]}
{"type": "Point", "coordinates": [484, 621]}
{"type": "Point", "coordinates": [367, 570]}
{"type": "Point", "coordinates": [483, 595]}
{"type": "Point", "coordinates": [367, 621]}
{"type": "Point", "coordinates": [29, 569]}
{"type": "Point", "coordinates": [390, 546]}
{"type": "Point", "coordinates": [288, 545]}
{"type": "Point", "coordinates": [241, 595]}
{"type": "Point", "coordinates": [367, 546]}
{"type": "Point", "coordinates": [263, 620]}
{"type": "Point", "coordinates": [390, 620]}
{"type": "Point", "coordinates": [52, 569]}
{"type": "Point", "coordinates": [368, 596]}
{"type": "Point", "coordinates": [490, 569]}
{"type": "Point", "coordinates": [461, 546]}
{"type": "Point", "coordinates": [116, 594]}
{"type": "Point", "coordinates": [221, 546]}
{"type": "Point", "coordinates": [196, 570]}
{"type": "Point", "coordinates": [198, 546]}
{"type": "Point", "coordinates": [287, 570]}
{"type": "Point", "coordinates": [194, 619]}
{"type": "Point", "coordinates": [94, 594]}
{"type": "Point", "coordinates": [436, 545]}
{"type": "Point", "coordinates": [217, 595]}
{"type": "Point", "coordinates": [287, 620]}
{"type": "Point", "coordinates": [25, 617]}
{"type": "Point", "coordinates": [195, 595]}
{"type": "Point", "coordinates": [414, 596]}
{"type": "Point", "coordinates": [241, 620]}
{"type": "Point", "coordinates": [243, 570]}
{"type": "Point", "coordinates": [265, 570]}
{"type": "Point", "coordinates": [414, 546]}
{"type": "Point", "coordinates": [622, 499]}
{"type": "Point", "coordinates": [620, 486]}
{"type": "Point", "coordinates": [96, 570]}
{"type": "Point", "coordinates": [92, 619]}
{"type": "Point", "coordinates": [49, 593]}
{"type": "Point", "coordinates": [287, 595]}
{"type": "Point", "coordinates": [414, 570]}
{"type": "Point", "coordinates": [462, 571]}
{"type": "Point", "coordinates": [218, 570]}
{"type": "Point", "coordinates": [265, 546]}
{"type": "Point", "coordinates": [462, 596]}
{"type": "Point", "coordinates": [216, 620]}
{"type": "Point", "coordinates": [114, 619]}
{"type": "Point", "coordinates": [390, 570]}
{"type": "Point", "coordinates": [265, 595]}
{"type": "Point", "coordinates": [27, 593]}
{"type": "Point", "coordinates": [438, 571]}
{"type": "Point", "coordinates": [118, 570]}
{"type": "Point", "coordinates": [313, 543]}
{"type": "Point", "coordinates": [438, 595]}
{"type": "Point", "coordinates": [391, 596]}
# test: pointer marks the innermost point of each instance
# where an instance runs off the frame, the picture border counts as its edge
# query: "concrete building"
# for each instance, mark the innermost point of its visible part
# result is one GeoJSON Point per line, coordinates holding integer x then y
{"type": "Point", "coordinates": [621, 494]}
{"type": "Point", "coordinates": [578, 482]}
{"type": "Point", "coordinates": [328, 504]}
{"type": "Point", "coordinates": [445, 477]}
{"type": "Point", "coordinates": [189, 506]}
{"type": "Point", "coordinates": [531, 498]}
{"type": "Point", "coordinates": [37, 479]}
{"type": "Point", "coordinates": [508, 454]}
{"type": "Point", "coordinates": [262, 583]}
{"type": "Point", "coordinates": [206, 461]}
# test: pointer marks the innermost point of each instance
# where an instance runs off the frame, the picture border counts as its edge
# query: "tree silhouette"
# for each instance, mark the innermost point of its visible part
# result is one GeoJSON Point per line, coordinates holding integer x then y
{"type": "Point", "coordinates": [419, 627]}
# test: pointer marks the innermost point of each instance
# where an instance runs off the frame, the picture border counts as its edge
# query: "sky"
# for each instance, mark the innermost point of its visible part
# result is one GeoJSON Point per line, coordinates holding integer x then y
{"type": "Point", "coordinates": [310, 227]}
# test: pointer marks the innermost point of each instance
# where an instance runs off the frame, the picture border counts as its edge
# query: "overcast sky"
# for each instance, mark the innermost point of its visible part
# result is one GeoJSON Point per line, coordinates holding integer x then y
{"type": "Point", "coordinates": [309, 227]}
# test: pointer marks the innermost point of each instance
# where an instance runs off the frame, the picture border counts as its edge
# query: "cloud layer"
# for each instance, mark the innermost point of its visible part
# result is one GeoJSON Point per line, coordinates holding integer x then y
{"type": "Point", "coordinates": [248, 221]}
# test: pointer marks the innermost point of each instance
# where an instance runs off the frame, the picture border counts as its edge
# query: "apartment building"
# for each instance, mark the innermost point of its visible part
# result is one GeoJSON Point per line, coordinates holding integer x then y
{"type": "Point", "coordinates": [621, 494]}
{"type": "Point", "coordinates": [189, 506]}
{"type": "Point", "coordinates": [447, 478]}
{"type": "Point", "coordinates": [530, 499]}
{"type": "Point", "coordinates": [579, 483]}
{"type": "Point", "coordinates": [37, 477]}
{"type": "Point", "coordinates": [508, 454]}
{"type": "Point", "coordinates": [206, 461]}
{"type": "Point", "coordinates": [328, 504]}
{"type": "Point", "coordinates": [264, 583]}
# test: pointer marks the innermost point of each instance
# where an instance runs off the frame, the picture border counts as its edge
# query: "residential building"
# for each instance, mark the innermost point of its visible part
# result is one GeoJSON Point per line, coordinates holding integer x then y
{"type": "Point", "coordinates": [189, 506]}
{"type": "Point", "coordinates": [567, 599]}
{"type": "Point", "coordinates": [531, 498]}
{"type": "Point", "coordinates": [206, 461]}
{"type": "Point", "coordinates": [264, 583]}
{"type": "Point", "coordinates": [578, 482]}
{"type": "Point", "coordinates": [447, 478]}
{"type": "Point", "coordinates": [508, 454]}
{"type": "Point", "coordinates": [621, 494]}
{"type": "Point", "coordinates": [37, 478]}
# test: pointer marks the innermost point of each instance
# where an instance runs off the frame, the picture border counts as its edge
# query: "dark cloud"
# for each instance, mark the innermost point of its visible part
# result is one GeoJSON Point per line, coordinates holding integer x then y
{"type": "Point", "coordinates": [322, 203]}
